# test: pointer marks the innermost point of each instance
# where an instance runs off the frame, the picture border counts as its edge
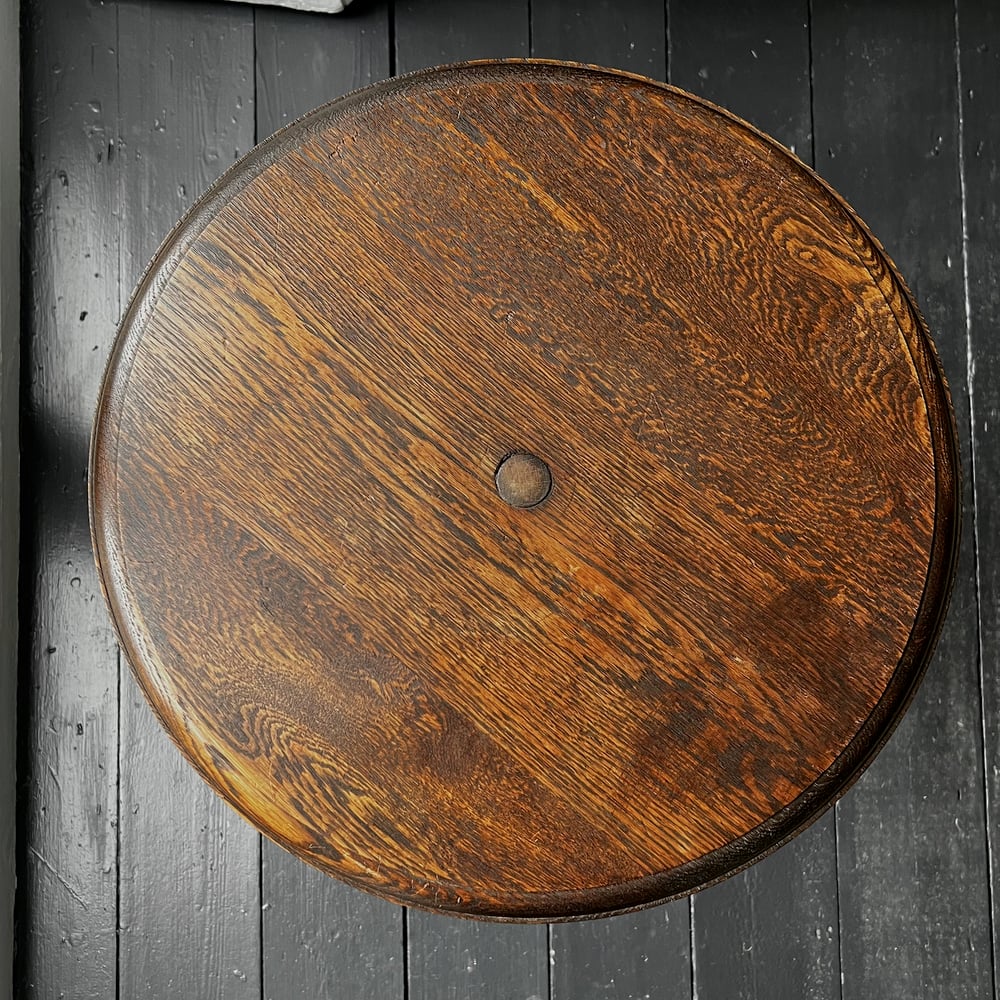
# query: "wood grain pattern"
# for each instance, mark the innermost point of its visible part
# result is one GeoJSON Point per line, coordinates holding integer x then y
{"type": "Point", "coordinates": [178, 842]}
{"type": "Point", "coordinates": [320, 937]}
{"type": "Point", "coordinates": [466, 958]}
{"type": "Point", "coordinates": [646, 681]}
{"type": "Point", "coordinates": [912, 851]}
{"type": "Point", "coordinates": [647, 953]}
{"type": "Point", "coordinates": [773, 930]}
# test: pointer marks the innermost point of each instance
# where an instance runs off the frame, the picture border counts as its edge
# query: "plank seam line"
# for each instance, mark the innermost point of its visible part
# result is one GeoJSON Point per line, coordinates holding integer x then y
{"type": "Point", "coordinates": [260, 911]}
{"type": "Point", "coordinates": [970, 371]}
{"type": "Point", "coordinates": [405, 924]}
{"type": "Point", "coordinates": [118, 181]}
{"type": "Point", "coordinates": [692, 951]}
{"type": "Point", "coordinates": [549, 958]}
{"type": "Point", "coordinates": [812, 100]}
{"type": "Point", "coordinates": [256, 106]}
{"type": "Point", "coordinates": [840, 915]}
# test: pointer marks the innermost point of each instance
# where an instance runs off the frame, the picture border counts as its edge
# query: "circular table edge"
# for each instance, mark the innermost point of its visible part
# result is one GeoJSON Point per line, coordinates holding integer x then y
{"type": "Point", "coordinates": [780, 827]}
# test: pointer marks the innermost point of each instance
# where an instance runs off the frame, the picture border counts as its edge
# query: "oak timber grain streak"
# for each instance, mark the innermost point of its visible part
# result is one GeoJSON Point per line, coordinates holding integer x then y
{"type": "Point", "coordinates": [647, 953]}
{"type": "Point", "coordinates": [320, 937]}
{"type": "Point", "coordinates": [448, 959]}
{"type": "Point", "coordinates": [10, 279]}
{"type": "Point", "coordinates": [645, 682]}
{"type": "Point", "coordinates": [773, 931]}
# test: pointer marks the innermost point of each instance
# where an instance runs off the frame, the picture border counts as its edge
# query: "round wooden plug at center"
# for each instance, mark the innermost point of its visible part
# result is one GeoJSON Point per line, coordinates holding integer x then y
{"type": "Point", "coordinates": [523, 480]}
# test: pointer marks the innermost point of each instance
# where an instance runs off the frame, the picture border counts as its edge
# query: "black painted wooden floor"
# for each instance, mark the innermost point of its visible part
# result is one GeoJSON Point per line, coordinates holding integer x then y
{"type": "Point", "coordinates": [134, 880]}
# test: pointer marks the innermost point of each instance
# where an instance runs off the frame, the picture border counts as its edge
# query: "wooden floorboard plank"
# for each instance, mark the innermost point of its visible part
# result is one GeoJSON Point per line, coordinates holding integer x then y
{"type": "Point", "coordinates": [10, 464]}
{"type": "Point", "coordinates": [68, 688]}
{"type": "Point", "coordinates": [638, 956]}
{"type": "Point", "coordinates": [449, 959]}
{"type": "Point", "coordinates": [645, 954]}
{"type": "Point", "coordinates": [979, 44]}
{"type": "Point", "coordinates": [325, 939]}
{"type": "Point", "coordinates": [620, 34]}
{"type": "Point", "coordinates": [190, 905]}
{"type": "Point", "coordinates": [321, 938]}
{"type": "Point", "coordinates": [454, 959]}
{"type": "Point", "coordinates": [911, 835]}
{"type": "Point", "coordinates": [446, 31]}
{"type": "Point", "coordinates": [772, 930]}
{"type": "Point", "coordinates": [305, 60]}
{"type": "Point", "coordinates": [752, 58]}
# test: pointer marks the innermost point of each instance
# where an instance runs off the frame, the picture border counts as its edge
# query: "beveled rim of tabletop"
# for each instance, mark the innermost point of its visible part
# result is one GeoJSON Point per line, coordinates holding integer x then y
{"type": "Point", "coordinates": [870, 736]}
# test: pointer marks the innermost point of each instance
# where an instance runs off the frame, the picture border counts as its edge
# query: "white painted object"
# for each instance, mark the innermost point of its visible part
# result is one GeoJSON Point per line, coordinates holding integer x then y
{"type": "Point", "coordinates": [316, 6]}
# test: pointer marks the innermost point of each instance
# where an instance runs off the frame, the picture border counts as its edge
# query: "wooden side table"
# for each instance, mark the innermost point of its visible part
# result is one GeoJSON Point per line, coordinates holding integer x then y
{"type": "Point", "coordinates": [525, 491]}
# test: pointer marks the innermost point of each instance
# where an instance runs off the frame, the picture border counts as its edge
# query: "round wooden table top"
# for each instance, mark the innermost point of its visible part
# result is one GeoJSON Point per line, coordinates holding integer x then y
{"type": "Point", "coordinates": [525, 491]}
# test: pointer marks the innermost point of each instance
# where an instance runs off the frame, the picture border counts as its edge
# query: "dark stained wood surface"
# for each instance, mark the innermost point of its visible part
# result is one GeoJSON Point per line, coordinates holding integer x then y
{"type": "Point", "coordinates": [757, 67]}
{"type": "Point", "coordinates": [914, 886]}
{"type": "Point", "coordinates": [451, 960]}
{"type": "Point", "coordinates": [60, 940]}
{"type": "Point", "coordinates": [771, 931]}
{"type": "Point", "coordinates": [624, 34]}
{"type": "Point", "coordinates": [320, 937]}
{"type": "Point", "coordinates": [456, 960]}
{"type": "Point", "coordinates": [460, 959]}
{"type": "Point", "coordinates": [621, 693]}
{"type": "Point", "coordinates": [632, 954]}
{"type": "Point", "coordinates": [446, 31]}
